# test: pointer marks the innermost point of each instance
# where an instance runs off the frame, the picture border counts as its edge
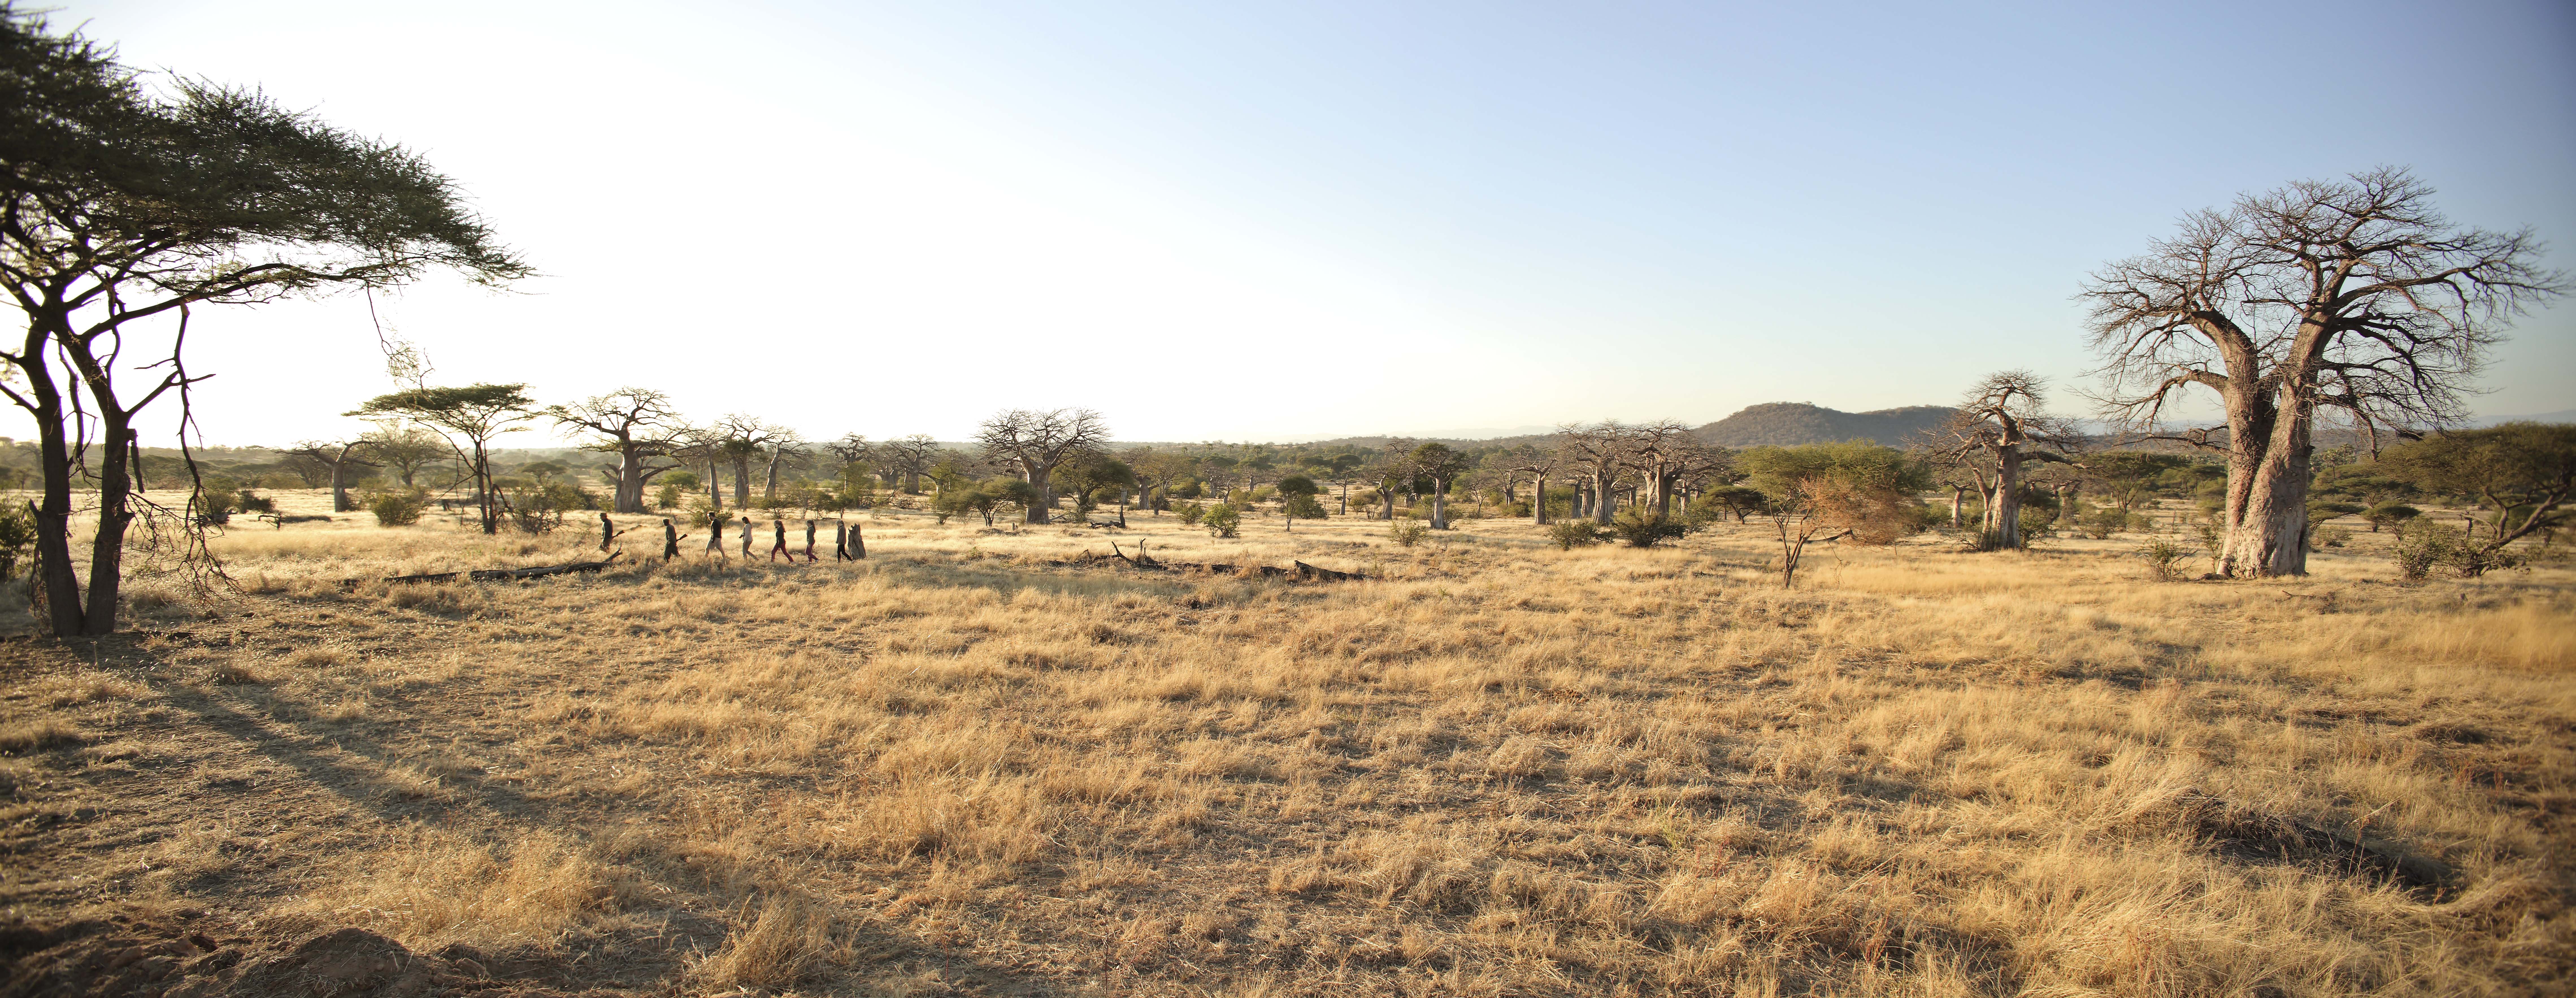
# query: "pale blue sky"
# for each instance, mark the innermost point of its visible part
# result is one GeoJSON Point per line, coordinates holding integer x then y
{"type": "Point", "coordinates": [1290, 221]}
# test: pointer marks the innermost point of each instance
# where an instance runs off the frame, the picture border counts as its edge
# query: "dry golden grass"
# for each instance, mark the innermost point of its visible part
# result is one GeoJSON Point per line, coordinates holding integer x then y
{"type": "Point", "coordinates": [1501, 769]}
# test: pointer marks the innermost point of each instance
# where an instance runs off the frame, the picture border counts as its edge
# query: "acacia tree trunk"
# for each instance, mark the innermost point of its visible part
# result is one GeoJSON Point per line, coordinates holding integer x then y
{"type": "Point", "coordinates": [107, 550]}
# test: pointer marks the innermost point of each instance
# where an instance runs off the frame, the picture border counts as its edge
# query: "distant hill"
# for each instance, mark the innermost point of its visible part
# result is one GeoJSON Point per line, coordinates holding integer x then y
{"type": "Point", "coordinates": [1789, 424]}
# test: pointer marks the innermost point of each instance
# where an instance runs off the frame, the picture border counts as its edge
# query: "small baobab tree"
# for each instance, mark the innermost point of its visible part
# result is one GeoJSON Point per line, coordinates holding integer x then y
{"type": "Point", "coordinates": [1440, 465]}
{"type": "Point", "coordinates": [1996, 429]}
{"type": "Point", "coordinates": [341, 457]}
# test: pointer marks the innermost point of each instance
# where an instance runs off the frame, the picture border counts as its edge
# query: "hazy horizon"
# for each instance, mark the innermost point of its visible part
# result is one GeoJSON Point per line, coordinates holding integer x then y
{"type": "Point", "coordinates": [1326, 221]}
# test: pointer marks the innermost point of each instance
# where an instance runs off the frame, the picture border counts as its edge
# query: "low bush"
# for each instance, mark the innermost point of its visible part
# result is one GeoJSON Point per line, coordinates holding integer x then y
{"type": "Point", "coordinates": [398, 509]}
{"type": "Point", "coordinates": [1222, 520]}
{"type": "Point", "coordinates": [1641, 531]}
{"type": "Point", "coordinates": [1571, 534]}
{"type": "Point", "coordinates": [1407, 533]}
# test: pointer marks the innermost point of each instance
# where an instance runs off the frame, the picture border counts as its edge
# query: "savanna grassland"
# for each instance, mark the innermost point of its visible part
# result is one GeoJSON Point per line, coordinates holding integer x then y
{"type": "Point", "coordinates": [970, 766]}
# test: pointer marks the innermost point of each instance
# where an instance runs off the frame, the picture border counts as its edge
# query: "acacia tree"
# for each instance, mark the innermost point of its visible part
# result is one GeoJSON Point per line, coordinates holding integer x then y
{"type": "Point", "coordinates": [636, 424]}
{"type": "Point", "coordinates": [339, 456]}
{"type": "Point", "coordinates": [2351, 294]}
{"type": "Point", "coordinates": [1819, 493]}
{"type": "Point", "coordinates": [476, 412]}
{"type": "Point", "coordinates": [2520, 473]}
{"type": "Point", "coordinates": [406, 449]}
{"type": "Point", "coordinates": [1997, 427]}
{"type": "Point", "coordinates": [120, 209]}
{"type": "Point", "coordinates": [1038, 442]}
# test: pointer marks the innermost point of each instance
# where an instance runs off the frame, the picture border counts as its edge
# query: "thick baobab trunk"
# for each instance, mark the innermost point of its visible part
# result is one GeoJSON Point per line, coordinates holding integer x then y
{"type": "Point", "coordinates": [1958, 493]}
{"type": "Point", "coordinates": [1602, 494]}
{"type": "Point", "coordinates": [1538, 500]}
{"type": "Point", "coordinates": [2252, 418]}
{"type": "Point", "coordinates": [1386, 504]}
{"type": "Point", "coordinates": [715, 486]}
{"type": "Point", "coordinates": [2003, 515]}
{"type": "Point", "coordinates": [1439, 505]}
{"type": "Point", "coordinates": [742, 480]}
{"type": "Point", "coordinates": [340, 487]}
{"type": "Point", "coordinates": [1039, 479]}
{"type": "Point", "coordinates": [769, 477]}
{"type": "Point", "coordinates": [630, 482]}
{"type": "Point", "coordinates": [2269, 536]}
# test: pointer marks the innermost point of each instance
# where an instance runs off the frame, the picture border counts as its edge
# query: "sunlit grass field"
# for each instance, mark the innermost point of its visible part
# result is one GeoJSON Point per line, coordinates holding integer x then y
{"type": "Point", "coordinates": [979, 762]}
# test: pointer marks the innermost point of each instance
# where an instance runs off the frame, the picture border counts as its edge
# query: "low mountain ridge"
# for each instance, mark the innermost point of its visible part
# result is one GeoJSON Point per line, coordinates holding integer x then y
{"type": "Point", "coordinates": [1788, 424]}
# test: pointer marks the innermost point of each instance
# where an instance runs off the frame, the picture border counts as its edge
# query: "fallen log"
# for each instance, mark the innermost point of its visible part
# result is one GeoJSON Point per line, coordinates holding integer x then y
{"type": "Point", "coordinates": [498, 574]}
{"type": "Point", "coordinates": [1140, 560]}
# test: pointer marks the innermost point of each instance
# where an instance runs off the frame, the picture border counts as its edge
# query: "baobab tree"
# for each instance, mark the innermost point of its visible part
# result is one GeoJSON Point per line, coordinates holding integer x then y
{"type": "Point", "coordinates": [340, 456]}
{"type": "Point", "coordinates": [911, 456]}
{"type": "Point", "coordinates": [636, 424]}
{"type": "Point", "coordinates": [2350, 294]}
{"type": "Point", "coordinates": [1441, 464]}
{"type": "Point", "coordinates": [1596, 452]}
{"type": "Point", "coordinates": [1156, 470]}
{"type": "Point", "coordinates": [121, 210]}
{"type": "Point", "coordinates": [1037, 442]}
{"type": "Point", "coordinates": [738, 438]}
{"type": "Point", "coordinates": [1665, 454]}
{"type": "Point", "coordinates": [1996, 428]}
{"type": "Point", "coordinates": [1392, 470]}
{"type": "Point", "coordinates": [1539, 463]}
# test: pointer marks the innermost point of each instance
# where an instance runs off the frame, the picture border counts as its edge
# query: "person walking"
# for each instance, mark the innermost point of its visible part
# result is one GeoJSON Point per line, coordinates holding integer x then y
{"type": "Point", "coordinates": [715, 534]}
{"type": "Point", "coordinates": [778, 542]}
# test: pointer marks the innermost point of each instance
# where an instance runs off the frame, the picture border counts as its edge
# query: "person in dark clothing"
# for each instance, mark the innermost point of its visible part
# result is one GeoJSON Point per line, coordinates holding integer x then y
{"type": "Point", "coordinates": [715, 534]}
{"type": "Point", "coordinates": [778, 541]}
{"type": "Point", "coordinates": [809, 542]}
{"type": "Point", "coordinates": [840, 540]}
{"type": "Point", "coordinates": [670, 540]}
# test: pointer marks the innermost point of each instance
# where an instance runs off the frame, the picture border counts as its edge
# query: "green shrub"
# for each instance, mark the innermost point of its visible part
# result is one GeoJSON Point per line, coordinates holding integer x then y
{"type": "Point", "coordinates": [1222, 520]}
{"type": "Point", "coordinates": [1304, 507]}
{"type": "Point", "coordinates": [17, 537]}
{"type": "Point", "coordinates": [2422, 545]}
{"type": "Point", "coordinates": [1571, 534]}
{"type": "Point", "coordinates": [398, 509]}
{"type": "Point", "coordinates": [1407, 533]}
{"type": "Point", "coordinates": [1640, 531]}
{"type": "Point", "coordinates": [1192, 513]}
{"type": "Point", "coordinates": [2164, 558]}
